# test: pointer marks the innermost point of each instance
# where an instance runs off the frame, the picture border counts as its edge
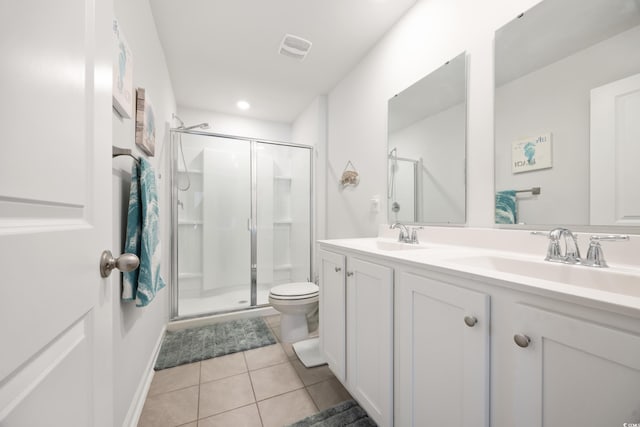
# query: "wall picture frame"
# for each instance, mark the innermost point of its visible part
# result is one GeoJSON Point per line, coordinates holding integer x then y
{"type": "Point", "coordinates": [145, 123]}
{"type": "Point", "coordinates": [122, 93]}
{"type": "Point", "coordinates": [531, 153]}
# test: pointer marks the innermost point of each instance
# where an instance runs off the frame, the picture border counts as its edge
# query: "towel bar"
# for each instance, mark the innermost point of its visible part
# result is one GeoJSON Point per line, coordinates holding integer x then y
{"type": "Point", "coordinates": [533, 190]}
{"type": "Point", "coordinates": [118, 151]}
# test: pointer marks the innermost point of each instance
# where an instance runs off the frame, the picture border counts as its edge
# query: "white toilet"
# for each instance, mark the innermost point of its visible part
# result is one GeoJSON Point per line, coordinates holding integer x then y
{"type": "Point", "coordinates": [294, 301]}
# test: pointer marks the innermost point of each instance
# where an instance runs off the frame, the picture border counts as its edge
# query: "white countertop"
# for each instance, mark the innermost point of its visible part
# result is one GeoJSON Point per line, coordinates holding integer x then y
{"type": "Point", "coordinates": [617, 287]}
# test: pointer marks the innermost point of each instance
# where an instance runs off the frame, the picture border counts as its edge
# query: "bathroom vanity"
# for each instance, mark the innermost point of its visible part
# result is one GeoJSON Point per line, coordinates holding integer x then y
{"type": "Point", "coordinates": [460, 335]}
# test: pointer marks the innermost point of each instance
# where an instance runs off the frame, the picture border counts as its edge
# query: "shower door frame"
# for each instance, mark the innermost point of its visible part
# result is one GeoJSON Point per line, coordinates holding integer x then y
{"type": "Point", "coordinates": [173, 267]}
{"type": "Point", "coordinates": [417, 199]}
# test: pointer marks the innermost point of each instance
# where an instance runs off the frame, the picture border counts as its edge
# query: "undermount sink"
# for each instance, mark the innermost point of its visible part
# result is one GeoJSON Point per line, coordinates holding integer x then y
{"type": "Point", "coordinates": [605, 279]}
{"type": "Point", "coordinates": [397, 246]}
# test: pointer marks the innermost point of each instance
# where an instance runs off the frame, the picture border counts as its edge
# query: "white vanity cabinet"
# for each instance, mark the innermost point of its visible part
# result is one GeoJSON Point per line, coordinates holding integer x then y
{"type": "Point", "coordinates": [471, 349]}
{"type": "Point", "coordinates": [356, 325]}
{"type": "Point", "coordinates": [443, 353]}
{"type": "Point", "coordinates": [333, 332]}
{"type": "Point", "coordinates": [570, 371]}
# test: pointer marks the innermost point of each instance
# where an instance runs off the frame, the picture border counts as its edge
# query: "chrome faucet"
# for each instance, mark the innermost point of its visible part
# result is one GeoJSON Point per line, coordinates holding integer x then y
{"type": "Point", "coordinates": [595, 257]}
{"type": "Point", "coordinates": [405, 235]}
{"type": "Point", "coordinates": [571, 249]}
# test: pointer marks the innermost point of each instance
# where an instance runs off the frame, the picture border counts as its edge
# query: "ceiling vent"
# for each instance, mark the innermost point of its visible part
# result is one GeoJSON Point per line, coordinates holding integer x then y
{"type": "Point", "coordinates": [294, 47]}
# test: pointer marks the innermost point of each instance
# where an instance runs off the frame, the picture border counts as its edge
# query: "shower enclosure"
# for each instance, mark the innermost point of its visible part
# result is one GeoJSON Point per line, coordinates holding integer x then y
{"type": "Point", "coordinates": [241, 212]}
{"type": "Point", "coordinates": [404, 193]}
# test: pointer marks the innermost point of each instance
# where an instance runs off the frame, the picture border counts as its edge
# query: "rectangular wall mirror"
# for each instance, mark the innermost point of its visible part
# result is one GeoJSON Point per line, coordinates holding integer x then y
{"type": "Point", "coordinates": [427, 148]}
{"type": "Point", "coordinates": [567, 115]}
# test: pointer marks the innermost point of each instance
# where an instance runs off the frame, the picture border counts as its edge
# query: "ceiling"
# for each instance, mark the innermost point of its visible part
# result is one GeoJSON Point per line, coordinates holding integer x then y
{"type": "Point", "coordinates": [219, 52]}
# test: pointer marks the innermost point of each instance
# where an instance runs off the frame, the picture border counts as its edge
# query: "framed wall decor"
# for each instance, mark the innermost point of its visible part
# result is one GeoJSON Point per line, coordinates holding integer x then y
{"type": "Point", "coordinates": [145, 123]}
{"type": "Point", "coordinates": [122, 74]}
{"type": "Point", "coordinates": [532, 153]}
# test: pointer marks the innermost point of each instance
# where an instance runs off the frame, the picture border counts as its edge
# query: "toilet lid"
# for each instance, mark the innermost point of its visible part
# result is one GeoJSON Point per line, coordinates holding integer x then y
{"type": "Point", "coordinates": [295, 290]}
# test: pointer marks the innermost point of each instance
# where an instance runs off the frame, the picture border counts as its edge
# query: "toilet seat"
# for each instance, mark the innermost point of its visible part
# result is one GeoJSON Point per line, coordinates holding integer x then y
{"type": "Point", "coordinates": [295, 291]}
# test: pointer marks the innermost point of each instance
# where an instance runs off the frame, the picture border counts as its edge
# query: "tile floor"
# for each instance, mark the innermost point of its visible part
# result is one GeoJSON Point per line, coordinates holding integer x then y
{"type": "Point", "coordinates": [263, 387]}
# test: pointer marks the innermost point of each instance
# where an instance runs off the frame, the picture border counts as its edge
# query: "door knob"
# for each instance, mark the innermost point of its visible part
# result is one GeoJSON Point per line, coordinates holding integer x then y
{"type": "Point", "coordinates": [470, 321]}
{"type": "Point", "coordinates": [125, 262]}
{"type": "Point", "coordinates": [522, 340]}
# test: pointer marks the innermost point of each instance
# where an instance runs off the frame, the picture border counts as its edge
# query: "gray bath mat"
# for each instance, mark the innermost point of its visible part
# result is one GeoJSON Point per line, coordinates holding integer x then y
{"type": "Point", "coordinates": [195, 344]}
{"type": "Point", "coordinates": [344, 414]}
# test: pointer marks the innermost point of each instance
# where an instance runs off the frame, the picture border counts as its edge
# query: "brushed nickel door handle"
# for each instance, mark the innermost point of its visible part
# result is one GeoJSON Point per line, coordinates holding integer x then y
{"type": "Point", "coordinates": [125, 262]}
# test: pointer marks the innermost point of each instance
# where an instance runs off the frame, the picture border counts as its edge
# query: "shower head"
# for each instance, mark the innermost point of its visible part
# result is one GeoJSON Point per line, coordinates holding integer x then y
{"type": "Point", "coordinates": [183, 127]}
{"type": "Point", "coordinates": [198, 126]}
{"type": "Point", "coordinates": [175, 116]}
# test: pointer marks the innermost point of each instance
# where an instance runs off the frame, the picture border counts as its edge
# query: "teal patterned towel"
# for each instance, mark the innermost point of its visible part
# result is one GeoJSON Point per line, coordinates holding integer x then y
{"type": "Point", "coordinates": [142, 237]}
{"type": "Point", "coordinates": [506, 207]}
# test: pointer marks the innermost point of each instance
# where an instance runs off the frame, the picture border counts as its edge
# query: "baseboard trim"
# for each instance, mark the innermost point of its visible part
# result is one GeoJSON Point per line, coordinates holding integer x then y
{"type": "Point", "coordinates": [137, 403]}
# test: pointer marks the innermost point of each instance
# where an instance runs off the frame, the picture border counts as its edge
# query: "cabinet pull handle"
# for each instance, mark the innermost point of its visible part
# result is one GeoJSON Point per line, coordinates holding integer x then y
{"type": "Point", "coordinates": [349, 273]}
{"type": "Point", "coordinates": [338, 269]}
{"type": "Point", "coordinates": [470, 321]}
{"type": "Point", "coordinates": [522, 340]}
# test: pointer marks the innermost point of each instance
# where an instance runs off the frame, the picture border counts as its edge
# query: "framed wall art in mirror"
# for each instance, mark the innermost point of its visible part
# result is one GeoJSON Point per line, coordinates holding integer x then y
{"type": "Point", "coordinates": [567, 83]}
{"type": "Point", "coordinates": [427, 148]}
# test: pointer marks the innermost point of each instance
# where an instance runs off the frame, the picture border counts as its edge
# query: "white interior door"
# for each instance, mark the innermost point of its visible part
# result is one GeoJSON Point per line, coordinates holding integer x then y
{"type": "Point", "coordinates": [615, 148]}
{"type": "Point", "coordinates": [55, 214]}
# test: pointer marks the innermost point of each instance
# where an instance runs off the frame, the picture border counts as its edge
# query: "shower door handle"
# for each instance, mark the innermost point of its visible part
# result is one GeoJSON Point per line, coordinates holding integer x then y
{"type": "Point", "coordinates": [249, 225]}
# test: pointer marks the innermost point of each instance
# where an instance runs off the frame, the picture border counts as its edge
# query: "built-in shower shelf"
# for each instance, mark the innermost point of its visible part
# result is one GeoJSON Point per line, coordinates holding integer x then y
{"type": "Point", "coordinates": [181, 222]}
{"type": "Point", "coordinates": [189, 275]}
{"type": "Point", "coordinates": [282, 178]}
{"type": "Point", "coordinates": [283, 221]}
{"type": "Point", "coordinates": [189, 171]}
{"type": "Point", "coordinates": [282, 267]}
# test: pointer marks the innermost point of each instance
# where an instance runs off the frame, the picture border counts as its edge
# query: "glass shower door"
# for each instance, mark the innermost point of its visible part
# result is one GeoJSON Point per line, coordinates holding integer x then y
{"type": "Point", "coordinates": [242, 215]}
{"type": "Point", "coordinates": [214, 240]}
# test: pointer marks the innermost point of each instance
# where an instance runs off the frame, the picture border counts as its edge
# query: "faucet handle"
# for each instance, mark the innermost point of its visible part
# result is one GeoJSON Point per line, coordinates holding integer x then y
{"type": "Point", "coordinates": [553, 250]}
{"type": "Point", "coordinates": [595, 256]}
{"type": "Point", "coordinates": [414, 234]}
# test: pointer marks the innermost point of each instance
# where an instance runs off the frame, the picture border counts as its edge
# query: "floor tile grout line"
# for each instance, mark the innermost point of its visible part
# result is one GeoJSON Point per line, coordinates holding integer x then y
{"type": "Point", "coordinates": [253, 390]}
{"type": "Point", "coordinates": [224, 378]}
{"type": "Point", "coordinates": [149, 396]}
{"type": "Point", "coordinates": [199, 388]}
{"type": "Point", "coordinates": [270, 366]}
{"type": "Point", "coordinates": [281, 394]}
{"type": "Point", "coordinates": [231, 410]}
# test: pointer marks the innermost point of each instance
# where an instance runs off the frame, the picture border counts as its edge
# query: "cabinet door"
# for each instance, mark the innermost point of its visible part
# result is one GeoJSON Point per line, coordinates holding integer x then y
{"type": "Point", "coordinates": [443, 366]}
{"type": "Point", "coordinates": [370, 338]}
{"type": "Point", "coordinates": [332, 311]}
{"type": "Point", "coordinates": [574, 372]}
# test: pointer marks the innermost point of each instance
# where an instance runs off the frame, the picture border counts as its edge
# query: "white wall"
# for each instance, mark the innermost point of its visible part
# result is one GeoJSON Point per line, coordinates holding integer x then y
{"type": "Point", "coordinates": [310, 128]}
{"type": "Point", "coordinates": [431, 33]}
{"type": "Point", "coordinates": [137, 330]}
{"type": "Point", "coordinates": [236, 125]}
{"type": "Point", "coordinates": [553, 99]}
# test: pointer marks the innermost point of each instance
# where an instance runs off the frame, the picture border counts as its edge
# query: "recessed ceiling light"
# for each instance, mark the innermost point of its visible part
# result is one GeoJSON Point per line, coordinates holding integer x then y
{"type": "Point", "coordinates": [243, 105]}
